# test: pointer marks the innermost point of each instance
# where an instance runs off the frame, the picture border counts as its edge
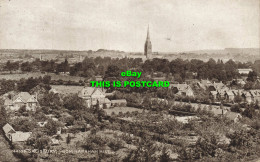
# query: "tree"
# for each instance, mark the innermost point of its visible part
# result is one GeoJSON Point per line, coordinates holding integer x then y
{"type": "Point", "coordinates": [249, 85]}
{"type": "Point", "coordinates": [240, 139]}
{"type": "Point", "coordinates": [11, 66]}
{"type": "Point", "coordinates": [235, 108]}
{"type": "Point", "coordinates": [22, 109]}
{"type": "Point", "coordinates": [238, 98]}
{"type": "Point", "coordinates": [144, 152]}
{"type": "Point", "coordinates": [165, 156]}
{"type": "Point", "coordinates": [52, 127]}
{"type": "Point", "coordinates": [46, 79]}
{"type": "Point", "coordinates": [73, 102]}
{"type": "Point", "coordinates": [112, 71]}
{"type": "Point", "coordinates": [3, 116]}
{"type": "Point", "coordinates": [252, 76]}
{"type": "Point", "coordinates": [42, 142]}
{"type": "Point", "coordinates": [50, 101]}
{"type": "Point", "coordinates": [249, 112]}
{"type": "Point", "coordinates": [24, 124]}
{"type": "Point", "coordinates": [68, 139]}
{"type": "Point", "coordinates": [26, 67]}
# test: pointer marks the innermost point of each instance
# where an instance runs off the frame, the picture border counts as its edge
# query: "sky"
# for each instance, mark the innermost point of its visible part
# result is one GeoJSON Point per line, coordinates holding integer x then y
{"type": "Point", "coordinates": [122, 24]}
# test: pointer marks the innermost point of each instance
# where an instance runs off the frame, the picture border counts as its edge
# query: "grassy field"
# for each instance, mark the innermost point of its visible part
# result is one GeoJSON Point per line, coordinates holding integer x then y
{"type": "Point", "coordinates": [20, 76]}
{"type": "Point", "coordinates": [63, 89]}
{"type": "Point", "coordinates": [38, 74]}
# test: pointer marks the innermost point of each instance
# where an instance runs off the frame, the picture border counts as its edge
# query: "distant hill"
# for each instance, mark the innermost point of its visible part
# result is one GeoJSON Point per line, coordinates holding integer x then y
{"type": "Point", "coordinates": [248, 51]}
{"type": "Point", "coordinates": [47, 51]}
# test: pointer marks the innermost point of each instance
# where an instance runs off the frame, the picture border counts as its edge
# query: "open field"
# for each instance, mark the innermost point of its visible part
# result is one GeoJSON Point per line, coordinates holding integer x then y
{"type": "Point", "coordinates": [38, 74]}
{"type": "Point", "coordinates": [63, 89]}
{"type": "Point", "coordinates": [20, 76]}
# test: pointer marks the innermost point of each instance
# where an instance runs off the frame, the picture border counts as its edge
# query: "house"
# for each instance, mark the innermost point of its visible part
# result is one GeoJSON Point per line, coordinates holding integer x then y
{"type": "Point", "coordinates": [204, 84]}
{"type": "Point", "coordinates": [229, 95]}
{"type": "Point", "coordinates": [41, 124]}
{"type": "Point", "coordinates": [55, 141]}
{"type": "Point", "coordinates": [241, 81]}
{"type": "Point", "coordinates": [255, 95]}
{"type": "Point", "coordinates": [244, 71]}
{"type": "Point", "coordinates": [237, 92]}
{"type": "Point", "coordinates": [218, 111]}
{"type": "Point", "coordinates": [218, 87]}
{"type": "Point", "coordinates": [160, 100]}
{"type": "Point", "coordinates": [213, 95]}
{"type": "Point", "coordinates": [22, 99]}
{"type": "Point", "coordinates": [247, 97]}
{"type": "Point", "coordinates": [93, 95]}
{"type": "Point", "coordinates": [221, 95]}
{"type": "Point", "coordinates": [182, 89]}
{"type": "Point", "coordinates": [15, 136]}
{"type": "Point", "coordinates": [233, 116]}
{"type": "Point", "coordinates": [8, 129]}
{"type": "Point", "coordinates": [106, 103]}
{"type": "Point", "coordinates": [98, 78]}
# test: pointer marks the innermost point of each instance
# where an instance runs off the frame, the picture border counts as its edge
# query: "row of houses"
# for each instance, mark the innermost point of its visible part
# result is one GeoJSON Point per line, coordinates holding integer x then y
{"type": "Point", "coordinates": [229, 95]}
{"type": "Point", "coordinates": [206, 84]}
{"type": "Point", "coordinates": [15, 101]}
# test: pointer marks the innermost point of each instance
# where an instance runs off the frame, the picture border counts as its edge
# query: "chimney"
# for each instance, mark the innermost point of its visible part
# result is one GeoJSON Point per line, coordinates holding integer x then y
{"type": "Point", "coordinates": [36, 95]}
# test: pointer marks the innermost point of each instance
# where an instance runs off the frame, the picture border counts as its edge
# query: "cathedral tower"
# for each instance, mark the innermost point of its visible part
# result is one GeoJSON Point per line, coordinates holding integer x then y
{"type": "Point", "coordinates": [148, 46]}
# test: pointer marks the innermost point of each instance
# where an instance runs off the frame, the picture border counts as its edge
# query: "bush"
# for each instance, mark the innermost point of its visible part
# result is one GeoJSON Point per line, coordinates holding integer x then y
{"type": "Point", "coordinates": [115, 144]}
{"type": "Point", "coordinates": [235, 108]}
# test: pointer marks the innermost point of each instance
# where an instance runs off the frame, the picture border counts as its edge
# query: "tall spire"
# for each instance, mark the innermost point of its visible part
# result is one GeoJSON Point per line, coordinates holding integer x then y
{"type": "Point", "coordinates": [148, 45]}
{"type": "Point", "coordinates": [148, 34]}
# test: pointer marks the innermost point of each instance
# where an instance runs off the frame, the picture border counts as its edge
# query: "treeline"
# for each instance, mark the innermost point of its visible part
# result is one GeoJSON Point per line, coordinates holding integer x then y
{"type": "Point", "coordinates": [24, 85]}
{"type": "Point", "coordinates": [180, 69]}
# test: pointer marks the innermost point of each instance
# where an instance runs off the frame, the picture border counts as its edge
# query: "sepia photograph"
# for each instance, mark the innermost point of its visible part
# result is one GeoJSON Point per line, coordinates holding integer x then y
{"type": "Point", "coordinates": [129, 80]}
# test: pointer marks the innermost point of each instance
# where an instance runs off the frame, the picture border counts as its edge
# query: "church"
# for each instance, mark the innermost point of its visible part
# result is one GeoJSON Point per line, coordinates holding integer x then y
{"type": "Point", "coordinates": [148, 46]}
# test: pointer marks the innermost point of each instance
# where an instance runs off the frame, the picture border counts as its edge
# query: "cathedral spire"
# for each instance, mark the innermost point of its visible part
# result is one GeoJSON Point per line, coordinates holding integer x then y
{"type": "Point", "coordinates": [148, 34]}
{"type": "Point", "coordinates": [148, 45]}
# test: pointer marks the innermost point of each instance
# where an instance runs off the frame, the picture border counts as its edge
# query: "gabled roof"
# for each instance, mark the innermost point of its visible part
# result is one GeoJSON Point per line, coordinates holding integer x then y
{"type": "Point", "coordinates": [213, 92]}
{"type": "Point", "coordinates": [206, 82]}
{"type": "Point", "coordinates": [8, 102]}
{"type": "Point", "coordinates": [106, 100]}
{"type": "Point", "coordinates": [8, 128]}
{"type": "Point", "coordinates": [239, 91]}
{"type": "Point", "coordinates": [89, 91]}
{"type": "Point", "coordinates": [24, 96]}
{"type": "Point", "coordinates": [255, 92]}
{"type": "Point", "coordinates": [180, 87]}
{"type": "Point", "coordinates": [229, 93]}
{"type": "Point", "coordinates": [222, 92]}
{"type": "Point", "coordinates": [20, 136]}
{"type": "Point", "coordinates": [218, 111]}
{"type": "Point", "coordinates": [247, 94]}
{"type": "Point", "coordinates": [219, 86]}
